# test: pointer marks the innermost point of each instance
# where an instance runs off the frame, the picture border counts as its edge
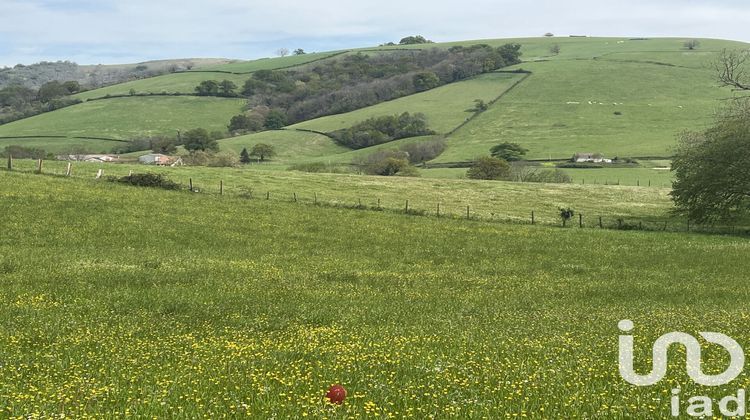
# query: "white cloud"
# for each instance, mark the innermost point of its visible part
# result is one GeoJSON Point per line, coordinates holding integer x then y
{"type": "Point", "coordinates": [109, 30]}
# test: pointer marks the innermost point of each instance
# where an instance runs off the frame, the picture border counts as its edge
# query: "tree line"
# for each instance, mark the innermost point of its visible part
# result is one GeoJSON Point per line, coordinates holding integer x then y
{"type": "Point", "coordinates": [18, 101]}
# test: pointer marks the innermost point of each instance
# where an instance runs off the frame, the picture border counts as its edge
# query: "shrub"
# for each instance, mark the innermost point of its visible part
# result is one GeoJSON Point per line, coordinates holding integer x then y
{"type": "Point", "coordinates": [387, 163]}
{"type": "Point", "coordinates": [489, 168]}
{"type": "Point", "coordinates": [224, 160]}
{"type": "Point", "coordinates": [424, 151]}
{"type": "Point", "coordinates": [379, 130]}
{"type": "Point", "coordinates": [148, 180]}
{"type": "Point", "coordinates": [508, 151]}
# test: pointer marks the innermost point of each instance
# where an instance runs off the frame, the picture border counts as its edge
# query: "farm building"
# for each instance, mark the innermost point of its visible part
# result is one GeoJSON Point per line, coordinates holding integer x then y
{"type": "Point", "coordinates": [90, 158]}
{"type": "Point", "coordinates": [590, 157]}
{"type": "Point", "coordinates": [159, 159]}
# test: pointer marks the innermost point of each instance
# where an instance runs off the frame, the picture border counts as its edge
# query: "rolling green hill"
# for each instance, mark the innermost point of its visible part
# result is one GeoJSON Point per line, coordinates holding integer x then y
{"type": "Point", "coordinates": [626, 97]}
{"type": "Point", "coordinates": [128, 118]}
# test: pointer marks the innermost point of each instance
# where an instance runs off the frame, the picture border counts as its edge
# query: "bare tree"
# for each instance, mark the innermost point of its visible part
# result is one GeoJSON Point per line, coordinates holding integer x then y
{"type": "Point", "coordinates": [731, 66]}
{"type": "Point", "coordinates": [282, 52]}
{"type": "Point", "coordinates": [554, 49]}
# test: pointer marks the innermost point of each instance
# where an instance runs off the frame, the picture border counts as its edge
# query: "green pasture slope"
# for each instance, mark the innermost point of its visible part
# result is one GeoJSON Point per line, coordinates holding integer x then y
{"type": "Point", "coordinates": [568, 104]}
{"type": "Point", "coordinates": [149, 303]}
{"type": "Point", "coordinates": [128, 118]}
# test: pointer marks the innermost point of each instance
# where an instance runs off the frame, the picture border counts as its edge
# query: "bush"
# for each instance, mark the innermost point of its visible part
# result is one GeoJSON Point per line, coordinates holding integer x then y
{"type": "Point", "coordinates": [315, 167]}
{"type": "Point", "coordinates": [387, 163]}
{"type": "Point", "coordinates": [21, 152]}
{"type": "Point", "coordinates": [424, 151]}
{"type": "Point", "coordinates": [580, 165]}
{"type": "Point", "coordinates": [379, 130]}
{"type": "Point", "coordinates": [489, 168]}
{"type": "Point", "coordinates": [224, 160]}
{"type": "Point", "coordinates": [148, 180]}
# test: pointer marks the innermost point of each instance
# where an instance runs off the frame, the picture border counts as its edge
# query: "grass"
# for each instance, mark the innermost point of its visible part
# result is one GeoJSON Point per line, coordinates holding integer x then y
{"type": "Point", "coordinates": [291, 146]}
{"type": "Point", "coordinates": [128, 118]}
{"type": "Point", "coordinates": [550, 114]}
{"type": "Point", "coordinates": [64, 145]}
{"type": "Point", "coordinates": [446, 107]}
{"type": "Point", "coordinates": [149, 303]}
{"type": "Point", "coordinates": [489, 200]}
{"type": "Point", "coordinates": [270, 63]}
{"type": "Point", "coordinates": [169, 83]}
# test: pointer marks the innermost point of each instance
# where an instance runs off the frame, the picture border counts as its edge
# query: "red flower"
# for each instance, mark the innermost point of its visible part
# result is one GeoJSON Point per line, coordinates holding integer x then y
{"type": "Point", "coordinates": [336, 394]}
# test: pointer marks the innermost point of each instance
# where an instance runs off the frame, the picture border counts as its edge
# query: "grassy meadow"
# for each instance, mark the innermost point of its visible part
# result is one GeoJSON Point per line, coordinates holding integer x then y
{"type": "Point", "coordinates": [137, 302]}
{"type": "Point", "coordinates": [129, 118]}
{"type": "Point", "coordinates": [487, 200]}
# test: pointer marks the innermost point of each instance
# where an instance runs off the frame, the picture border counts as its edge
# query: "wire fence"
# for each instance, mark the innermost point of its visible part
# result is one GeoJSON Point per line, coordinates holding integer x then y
{"type": "Point", "coordinates": [406, 206]}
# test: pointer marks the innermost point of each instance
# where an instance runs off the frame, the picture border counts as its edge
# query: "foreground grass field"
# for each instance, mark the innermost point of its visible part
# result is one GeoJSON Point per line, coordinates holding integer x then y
{"type": "Point", "coordinates": [137, 302]}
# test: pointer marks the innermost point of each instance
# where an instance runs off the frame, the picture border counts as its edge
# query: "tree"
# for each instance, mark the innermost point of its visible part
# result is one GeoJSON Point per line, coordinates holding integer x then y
{"type": "Point", "coordinates": [275, 120]}
{"type": "Point", "coordinates": [72, 87]}
{"type": "Point", "coordinates": [554, 49]}
{"type": "Point", "coordinates": [164, 145]}
{"type": "Point", "coordinates": [263, 151]}
{"type": "Point", "coordinates": [489, 168]}
{"type": "Point", "coordinates": [299, 51]}
{"type": "Point", "coordinates": [731, 68]}
{"type": "Point", "coordinates": [227, 88]}
{"type": "Point", "coordinates": [245, 156]}
{"type": "Point", "coordinates": [510, 152]}
{"type": "Point", "coordinates": [198, 139]}
{"type": "Point", "coordinates": [712, 181]}
{"type": "Point", "coordinates": [207, 88]}
{"type": "Point", "coordinates": [691, 44]}
{"type": "Point", "coordinates": [282, 52]}
{"type": "Point", "coordinates": [417, 39]}
{"type": "Point", "coordinates": [50, 91]}
{"type": "Point", "coordinates": [426, 81]}
{"type": "Point", "coordinates": [480, 105]}
{"type": "Point", "coordinates": [244, 122]}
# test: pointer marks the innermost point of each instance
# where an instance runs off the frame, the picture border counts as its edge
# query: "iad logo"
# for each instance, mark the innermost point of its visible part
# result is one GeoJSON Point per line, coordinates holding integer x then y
{"type": "Point", "coordinates": [700, 405]}
{"type": "Point", "coordinates": [693, 363]}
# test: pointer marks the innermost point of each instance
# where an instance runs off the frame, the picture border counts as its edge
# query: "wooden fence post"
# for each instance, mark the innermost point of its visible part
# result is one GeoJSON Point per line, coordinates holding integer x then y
{"type": "Point", "coordinates": [268, 195]}
{"type": "Point", "coordinates": [532, 217]}
{"type": "Point", "coordinates": [638, 183]}
{"type": "Point", "coordinates": [295, 197]}
{"type": "Point", "coordinates": [407, 207]}
{"type": "Point", "coordinates": [69, 169]}
{"type": "Point", "coordinates": [39, 164]}
{"type": "Point", "coordinates": [315, 198]}
{"type": "Point", "coordinates": [468, 214]}
{"type": "Point", "coordinates": [438, 209]}
{"type": "Point", "coordinates": [221, 187]}
{"type": "Point", "coordinates": [99, 173]}
{"type": "Point", "coordinates": [580, 220]}
{"type": "Point", "coordinates": [378, 203]}
{"type": "Point", "coordinates": [601, 225]}
{"type": "Point", "coordinates": [10, 162]}
{"type": "Point", "coordinates": [190, 184]}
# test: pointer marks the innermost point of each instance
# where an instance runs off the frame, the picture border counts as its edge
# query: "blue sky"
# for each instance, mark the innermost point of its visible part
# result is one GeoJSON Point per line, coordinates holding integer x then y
{"type": "Point", "coordinates": [126, 31]}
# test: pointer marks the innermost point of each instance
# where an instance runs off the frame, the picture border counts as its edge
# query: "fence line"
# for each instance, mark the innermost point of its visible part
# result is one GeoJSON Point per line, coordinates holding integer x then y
{"type": "Point", "coordinates": [620, 223]}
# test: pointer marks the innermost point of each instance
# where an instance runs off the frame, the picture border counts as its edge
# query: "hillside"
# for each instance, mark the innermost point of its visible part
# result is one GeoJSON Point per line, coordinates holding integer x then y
{"type": "Point", "coordinates": [208, 306]}
{"type": "Point", "coordinates": [626, 97]}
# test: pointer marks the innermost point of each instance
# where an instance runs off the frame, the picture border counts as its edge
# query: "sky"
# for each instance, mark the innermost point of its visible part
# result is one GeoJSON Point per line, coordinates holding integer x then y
{"type": "Point", "coordinates": [130, 31]}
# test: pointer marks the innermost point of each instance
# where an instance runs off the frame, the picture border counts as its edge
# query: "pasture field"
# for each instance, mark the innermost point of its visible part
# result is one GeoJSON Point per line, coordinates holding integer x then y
{"type": "Point", "coordinates": [445, 107]}
{"type": "Point", "coordinates": [169, 83]}
{"type": "Point", "coordinates": [269, 63]}
{"type": "Point", "coordinates": [63, 145]}
{"type": "Point", "coordinates": [151, 303]}
{"type": "Point", "coordinates": [488, 200]}
{"type": "Point", "coordinates": [291, 146]}
{"type": "Point", "coordinates": [566, 107]}
{"type": "Point", "coordinates": [129, 118]}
